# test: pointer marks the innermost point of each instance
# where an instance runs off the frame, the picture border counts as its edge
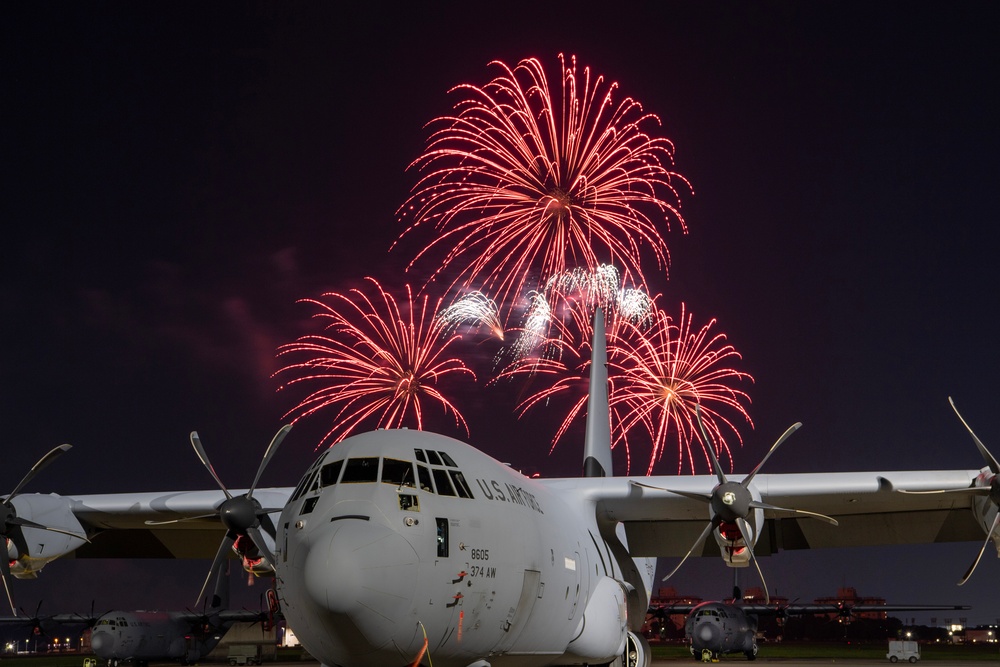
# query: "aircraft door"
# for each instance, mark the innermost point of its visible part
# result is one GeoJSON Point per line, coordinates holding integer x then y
{"type": "Point", "coordinates": [445, 564]}
{"type": "Point", "coordinates": [518, 616]}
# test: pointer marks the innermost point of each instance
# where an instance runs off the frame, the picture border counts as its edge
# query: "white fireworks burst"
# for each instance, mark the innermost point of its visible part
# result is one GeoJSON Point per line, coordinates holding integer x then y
{"type": "Point", "coordinates": [475, 309]}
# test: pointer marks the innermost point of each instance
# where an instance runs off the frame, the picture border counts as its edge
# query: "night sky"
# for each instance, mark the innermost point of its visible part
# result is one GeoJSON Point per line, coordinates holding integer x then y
{"type": "Point", "coordinates": [177, 176]}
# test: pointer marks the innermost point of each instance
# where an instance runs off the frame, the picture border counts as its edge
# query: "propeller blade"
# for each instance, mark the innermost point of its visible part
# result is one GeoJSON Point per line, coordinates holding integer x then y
{"type": "Point", "coordinates": [150, 522]}
{"type": "Point", "coordinates": [271, 449]}
{"type": "Point", "coordinates": [745, 530]}
{"type": "Point", "coordinates": [784, 436]}
{"type": "Point", "coordinates": [990, 461]}
{"type": "Point", "coordinates": [972, 490]}
{"type": "Point", "coordinates": [807, 513]}
{"type": "Point", "coordinates": [35, 469]}
{"type": "Point", "coordinates": [27, 523]}
{"type": "Point", "coordinates": [224, 546]}
{"type": "Point", "coordinates": [687, 494]}
{"type": "Point", "coordinates": [267, 524]}
{"type": "Point", "coordinates": [989, 534]}
{"type": "Point", "coordinates": [712, 525]}
{"type": "Point", "coordinates": [203, 457]}
{"type": "Point", "coordinates": [708, 446]}
{"type": "Point", "coordinates": [5, 574]}
{"type": "Point", "coordinates": [261, 545]}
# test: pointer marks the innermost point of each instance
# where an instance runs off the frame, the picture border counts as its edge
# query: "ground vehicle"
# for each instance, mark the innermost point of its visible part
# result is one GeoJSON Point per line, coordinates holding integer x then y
{"type": "Point", "coordinates": [899, 650]}
{"type": "Point", "coordinates": [244, 654]}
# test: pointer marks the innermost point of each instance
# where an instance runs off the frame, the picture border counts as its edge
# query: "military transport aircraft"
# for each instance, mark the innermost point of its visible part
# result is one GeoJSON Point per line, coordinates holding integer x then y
{"type": "Point", "coordinates": [716, 628]}
{"type": "Point", "coordinates": [140, 637]}
{"type": "Point", "coordinates": [405, 547]}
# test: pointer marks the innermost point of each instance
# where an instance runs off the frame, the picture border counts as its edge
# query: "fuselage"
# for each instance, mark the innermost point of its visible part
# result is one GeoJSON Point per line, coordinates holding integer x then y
{"type": "Point", "coordinates": [398, 542]}
{"type": "Point", "coordinates": [144, 636]}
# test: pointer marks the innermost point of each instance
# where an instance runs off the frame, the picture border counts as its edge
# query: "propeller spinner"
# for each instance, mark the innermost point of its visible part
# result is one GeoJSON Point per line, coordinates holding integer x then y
{"type": "Point", "coordinates": [732, 502]}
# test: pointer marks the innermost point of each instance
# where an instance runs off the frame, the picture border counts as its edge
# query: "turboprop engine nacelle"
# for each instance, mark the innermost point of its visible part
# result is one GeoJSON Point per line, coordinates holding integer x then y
{"type": "Point", "coordinates": [52, 511]}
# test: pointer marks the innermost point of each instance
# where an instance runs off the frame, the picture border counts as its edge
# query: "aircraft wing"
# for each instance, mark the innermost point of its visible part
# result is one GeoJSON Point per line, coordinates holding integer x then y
{"type": "Point", "coordinates": [657, 521]}
{"type": "Point", "coordinates": [847, 609]}
{"type": "Point", "coordinates": [868, 506]}
{"type": "Point", "coordinates": [117, 523]}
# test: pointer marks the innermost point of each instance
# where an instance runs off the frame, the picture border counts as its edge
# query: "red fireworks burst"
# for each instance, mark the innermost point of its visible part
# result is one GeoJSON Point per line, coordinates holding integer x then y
{"type": "Point", "coordinates": [662, 374]}
{"type": "Point", "coordinates": [377, 362]}
{"type": "Point", "coordinates": [658, 370]}
{"type": "Point", "coordinates": [520, 188]}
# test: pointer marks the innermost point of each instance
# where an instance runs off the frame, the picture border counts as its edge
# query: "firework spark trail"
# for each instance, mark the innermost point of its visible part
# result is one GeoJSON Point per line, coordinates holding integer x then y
{"type": "Point", "coordinates": [571, 293]}
{"type": "Point", "coordinates": [635, 306]}
{"type": "Point", "coordinates": [657, 373]}
{"type": "Point", "coordinates": [377, 362]}
{"type": "Point", "coordinates": [537, 321]}
{"type": "Point", "coordinates": [519, 187]}
{"type": "Point", "coordinates": [474, 308]}
{"type": "Point", "coordinates": [598, 287]}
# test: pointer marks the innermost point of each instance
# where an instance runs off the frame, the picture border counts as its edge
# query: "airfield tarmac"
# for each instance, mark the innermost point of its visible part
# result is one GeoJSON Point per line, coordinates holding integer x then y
{"type": "Point", "coordinates": [783, 662]}
{"type": "Point", "coordinates": [848, 662]}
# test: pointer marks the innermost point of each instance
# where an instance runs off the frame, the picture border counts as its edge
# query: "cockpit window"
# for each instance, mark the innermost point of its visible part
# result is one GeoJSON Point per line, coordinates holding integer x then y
{"type": "Point", "coordinates": [306, 484]}
{"type": "Point", "coordinates": [425, 478]}
{"type": "Point", "coordinates": [432, 476]}
{"type": "Point", "coordinates": [396, 472]}
{"type": "Point", "coordinates": [330, 472]}
{"type": "Point", "coordinates": [360, 470]}
{"type": "Point", "coordinates": [442, 482]}
{"type": "Point", "coordinates": [298, 489]}
{"type": "Point", "coordinates": [460, 484]}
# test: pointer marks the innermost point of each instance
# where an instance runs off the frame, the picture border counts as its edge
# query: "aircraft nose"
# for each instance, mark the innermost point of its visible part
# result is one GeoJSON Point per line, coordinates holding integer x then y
{"type": "Point", "coordinates": [706, 633]}
{"type": "Point", "coordinates": [101, 642]}
{"type": "Point", "coordinates": [364, 570]}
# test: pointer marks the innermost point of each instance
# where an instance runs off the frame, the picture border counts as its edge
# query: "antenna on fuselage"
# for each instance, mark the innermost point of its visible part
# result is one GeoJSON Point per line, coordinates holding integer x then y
{"type": "Point", "coordinates": [597, 440]}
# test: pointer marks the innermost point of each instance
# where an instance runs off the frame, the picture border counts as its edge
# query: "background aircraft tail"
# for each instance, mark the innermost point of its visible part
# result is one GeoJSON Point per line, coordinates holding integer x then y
{"type": "Point", "coordinates": [597, 440]}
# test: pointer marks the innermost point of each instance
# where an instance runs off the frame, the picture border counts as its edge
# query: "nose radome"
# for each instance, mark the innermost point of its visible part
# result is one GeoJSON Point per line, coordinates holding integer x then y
{"type": "Point", "coordinates": [101, 641]}
{"type": "Point", "coordinates": [364, 570]}
{"type": "Point", "coordinates": [706, 632]}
